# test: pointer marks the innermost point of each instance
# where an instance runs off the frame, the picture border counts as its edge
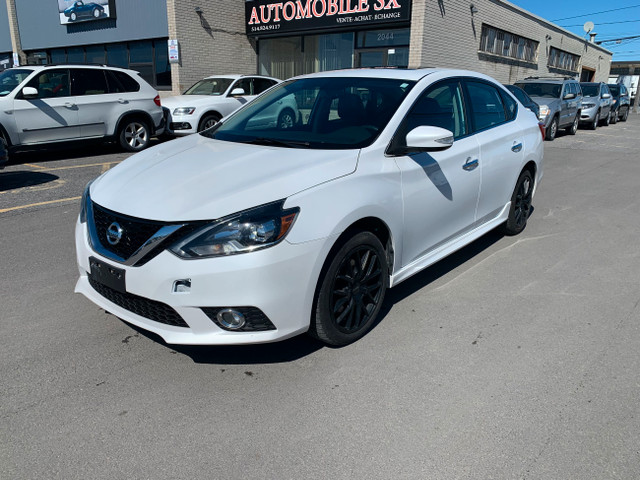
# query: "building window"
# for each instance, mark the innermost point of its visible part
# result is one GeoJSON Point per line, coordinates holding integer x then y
{"type": "Point", "coordinates": [563, 60]}
{"type": "Point", "coordinates": [505, 44]}
{"type": "Point", "coordinates": [149, 57]}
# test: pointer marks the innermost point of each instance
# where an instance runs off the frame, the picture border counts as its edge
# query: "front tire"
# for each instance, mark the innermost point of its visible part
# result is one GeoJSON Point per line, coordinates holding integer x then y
{"type": "Point", "coordinates": [73, 17]}
{"type": "Point", "coordinates": [595, 122]}
{"type": "Point", "coordinates": [607, 120]}
{"type": "Point", "coordinates": [552, 130]}
{"type": "Point", "coordinates": [286, 119]}
{"type": "Point", "coordinates": [614, 117]}
{"type": "Point", "coordinates": [351, 291]}
{"type": "Point", "coordinates": [520, 205]}
{"type": "Point", "coordinates": [208, 121]}
{"type": "Point", "coordinates": [134, 135]}
{"type": "Point", "coordinates": [96, 13]}
{"type": "Point", "coordinates": [625, 115]}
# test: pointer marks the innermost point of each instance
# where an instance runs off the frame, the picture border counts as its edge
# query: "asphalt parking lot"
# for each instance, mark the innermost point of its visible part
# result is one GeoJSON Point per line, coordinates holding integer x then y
{"type": "Point", "coordinates": [516, 357]}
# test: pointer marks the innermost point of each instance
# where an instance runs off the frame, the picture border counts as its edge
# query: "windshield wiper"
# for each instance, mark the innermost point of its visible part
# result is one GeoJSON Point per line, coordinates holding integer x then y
{"type": "Point", "coordinates": [278, 143]}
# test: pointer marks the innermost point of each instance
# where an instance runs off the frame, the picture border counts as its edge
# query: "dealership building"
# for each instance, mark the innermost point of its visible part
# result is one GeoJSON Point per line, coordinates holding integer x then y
{"type": "Point", "coordinates": [174, 43]}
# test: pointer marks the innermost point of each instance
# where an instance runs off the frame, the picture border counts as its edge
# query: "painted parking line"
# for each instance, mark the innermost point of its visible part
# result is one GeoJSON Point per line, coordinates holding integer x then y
{"type": "Point", "coordinates": [103, 165]}
{"type": "Point", "coordinates": [34, 166]}
{"type": "Point", "coordinates": [20, 207]}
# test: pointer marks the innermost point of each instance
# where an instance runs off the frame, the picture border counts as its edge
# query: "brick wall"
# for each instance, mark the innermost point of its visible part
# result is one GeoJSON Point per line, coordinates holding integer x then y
{"type": "Point", "coordinates": [215, 45]}
{"type": "Point", "coordinates": [445, 33]}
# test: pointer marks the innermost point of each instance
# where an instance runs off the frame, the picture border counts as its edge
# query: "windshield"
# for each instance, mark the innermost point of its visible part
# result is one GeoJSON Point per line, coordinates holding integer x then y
{"type": "Point", "coordinates": [589, 90]}
{"type": "Point", "coordinates": [615, 90]}
{"type": "Point", "coordinates": [551, 90]}
{"type": "Point", "coordinates": [10, 79]}
{"type": "Point", "coordinates": [210, 86]}
{"type": "Point", "coordinates": [322, 113]}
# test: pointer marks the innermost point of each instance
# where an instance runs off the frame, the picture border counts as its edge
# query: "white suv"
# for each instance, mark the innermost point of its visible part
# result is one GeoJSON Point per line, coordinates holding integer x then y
{"type": "Point", "coordinates": [205, 103]}
{"type": "Point", "coordinates": [59, 103]}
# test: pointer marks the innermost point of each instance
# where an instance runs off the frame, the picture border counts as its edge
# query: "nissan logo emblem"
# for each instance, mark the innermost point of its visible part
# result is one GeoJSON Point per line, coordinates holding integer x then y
{"type": "Point", "coordinates": [114, 233]}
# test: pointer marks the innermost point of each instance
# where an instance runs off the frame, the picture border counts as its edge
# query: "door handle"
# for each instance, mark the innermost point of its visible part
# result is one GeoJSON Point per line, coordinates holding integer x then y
{"type": "Point", "coordinates": [470, 164]}
{"type": "Point", "coordinates": [69, 105]}
{"type": "Point", "coordinates": [122, 100]}
{"type": "Point", "coordinates": [516, 148]}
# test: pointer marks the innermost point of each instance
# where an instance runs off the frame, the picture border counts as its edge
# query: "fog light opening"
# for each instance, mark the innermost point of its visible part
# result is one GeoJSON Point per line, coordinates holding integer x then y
{"type": "Point", "coordinates": [231, 319]}
{"type": "Point", "coordinates": [182, 286]}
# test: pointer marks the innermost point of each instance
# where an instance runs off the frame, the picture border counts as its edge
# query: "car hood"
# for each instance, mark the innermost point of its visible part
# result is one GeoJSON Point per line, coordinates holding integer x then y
{"type": "Point", "coordinates": [595, 99]}
{"type": "Point", "coordinates": [198, 178]}
{"type": "Point", "coordinates": [548, 101]}
{"type": "Point", "coordinates": [190, 101]}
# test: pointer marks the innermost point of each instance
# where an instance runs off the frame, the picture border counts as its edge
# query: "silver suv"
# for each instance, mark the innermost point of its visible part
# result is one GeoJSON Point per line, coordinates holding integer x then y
{"type": "Point", "coordinates": [59, 103]}
{"type": "Point", "coordinates": [560, 100]}
{"type": "Point", "coordinates": [596, 104]}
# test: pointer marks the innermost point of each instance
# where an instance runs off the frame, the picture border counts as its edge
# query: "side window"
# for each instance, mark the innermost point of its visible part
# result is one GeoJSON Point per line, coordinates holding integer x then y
{"type": "Point", "coordinates": [487, 109]}
{"type": "Point", "coordinates": [128, 83]}
{"type": "Point", "coordinates": [571, 88]}
{"type": "Point", "coordinates": [605, 90]}
{"type": "Point", "coordinates": [578, 89]}
{"type": "Point", "coordinates": [245, 84]}
{"type": "Point", "coordinates": [51, 83]}
{"type": "Point", "coordinates": [510, 105]}
{"type": "Point", "coordinates": [113, 83]}
{"type": "Point", "coordinates": [88, 81]}
{"type": "Point", "coordinates": [261, 84]}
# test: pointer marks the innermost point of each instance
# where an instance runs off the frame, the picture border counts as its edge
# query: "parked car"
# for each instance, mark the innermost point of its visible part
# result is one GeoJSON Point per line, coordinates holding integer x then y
{"type": "Point", "coordinates": [4, 155]}
{"type": "Point", "coordinates": [206, 102]}
{"type": "Point", "coordinates": [524, 99]}
{"type": "Point", "coordinates": [45, 104]}
{"type": "Point", "coordinates": [560, 101]}
{"type": "Point", "coordinates": [245, 234]}
{"type": "Point", "coordinates": [620, 103]}
{"type": "Point", "coordinates": [83, 10]}
{"type": "Point", "coordinates": [596, 104]}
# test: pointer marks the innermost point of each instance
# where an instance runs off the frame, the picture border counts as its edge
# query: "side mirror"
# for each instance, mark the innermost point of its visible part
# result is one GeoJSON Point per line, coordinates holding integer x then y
{"type": "Point", "coordinates": [236, 92]}
{"type": "Point", "coordinates": [569, 96]}
{"type": "Point", "coordinates": [428, 138]}
{"type": "Point", "coordinates": [29, 93]}
{"type": "Point", "coordinates": [606, 95]}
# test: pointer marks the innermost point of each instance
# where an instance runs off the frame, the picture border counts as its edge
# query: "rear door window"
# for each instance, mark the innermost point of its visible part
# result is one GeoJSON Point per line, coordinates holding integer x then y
{"type": "Point", "coordinates": [487, 108]}
{"type": "Point", "coordinates": [88, 81]}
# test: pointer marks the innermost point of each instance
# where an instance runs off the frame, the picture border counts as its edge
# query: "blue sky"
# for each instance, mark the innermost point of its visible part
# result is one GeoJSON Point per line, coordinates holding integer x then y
{"type": "Point", "coordinates": [624, 21]}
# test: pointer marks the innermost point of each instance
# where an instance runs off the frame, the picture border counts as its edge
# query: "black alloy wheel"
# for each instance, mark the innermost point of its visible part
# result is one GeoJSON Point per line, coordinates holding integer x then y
{"type": "Point", "coordinates": [351, 291]}
{"type": "Point", "coordinates": [552, 130]}
{"type": "Point", "coordinates": [520, 205]}
{"type": "Point", "coordinates": [625, 115]}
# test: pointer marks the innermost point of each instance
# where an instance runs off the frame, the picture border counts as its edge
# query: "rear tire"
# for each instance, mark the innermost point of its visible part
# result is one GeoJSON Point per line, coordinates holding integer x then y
{"type": "Point", "coordinates": [351, 291]}
{"type": "Point", "coordinates": [520, 205]}
{"type": "Point", "coordinates": [574, 126]}
{"type": "Point", "coordinates": [134, 135]}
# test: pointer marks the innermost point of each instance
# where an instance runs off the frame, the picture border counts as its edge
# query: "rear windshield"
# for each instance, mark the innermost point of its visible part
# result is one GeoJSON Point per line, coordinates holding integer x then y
{"type": "Point", "coordinates": [551, 90]}
{"type": "Point", "coordinates": [10, 79]}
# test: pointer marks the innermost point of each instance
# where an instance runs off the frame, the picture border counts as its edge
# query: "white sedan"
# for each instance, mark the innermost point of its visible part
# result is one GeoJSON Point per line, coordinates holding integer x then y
{"type": "Point", "coordinates": [210, 99]}
{"type": "Point", "coordinates": [250, 232]}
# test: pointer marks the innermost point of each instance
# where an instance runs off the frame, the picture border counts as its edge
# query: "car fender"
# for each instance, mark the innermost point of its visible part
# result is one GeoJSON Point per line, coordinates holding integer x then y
{"type": "Point", "coordinates": [142, 113]}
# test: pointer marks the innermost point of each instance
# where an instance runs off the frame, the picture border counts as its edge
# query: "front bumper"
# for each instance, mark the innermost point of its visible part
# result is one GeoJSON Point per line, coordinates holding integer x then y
{"type": "Point", "coordinates": [181, 125]}
{"type": "Point", "coordinates": [588, 115]}
{"type": "Point", "coordinates": [280, 281]}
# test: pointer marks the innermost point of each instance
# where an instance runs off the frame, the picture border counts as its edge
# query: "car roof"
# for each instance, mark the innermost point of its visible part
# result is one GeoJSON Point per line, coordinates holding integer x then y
{"type": "Point", "coordinates": [38, 68]}
{"type": "Point", "coordinates": [397, 73]}
{"type": "Point", "coordinates": [235, 76]}
{"type": "Point", "coordinates": [546, 80]}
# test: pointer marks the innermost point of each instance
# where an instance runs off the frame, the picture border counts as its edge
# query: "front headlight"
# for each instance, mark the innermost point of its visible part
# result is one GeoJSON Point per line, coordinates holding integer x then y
{"type": "Point", "coordinates": [83, 202]}
{"type": "Point", "coordinates": [544, 111]}
{"type": "Point", "coordinates": [242, 232]}
{"type": "Point", "coordinates": [184, 110]}
{"type": "Point", "coordinates": [588, 105]}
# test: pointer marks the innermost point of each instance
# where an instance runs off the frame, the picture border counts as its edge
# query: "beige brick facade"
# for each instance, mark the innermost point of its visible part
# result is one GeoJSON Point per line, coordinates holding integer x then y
{"type": "Point", "coordinates": [447, 34]}
{"type": "Point", "coordinates": [211, 42]}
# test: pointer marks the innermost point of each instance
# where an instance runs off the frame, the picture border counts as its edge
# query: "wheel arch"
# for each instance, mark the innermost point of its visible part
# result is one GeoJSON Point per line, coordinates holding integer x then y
{"type": "Point", "coordinates": [139, 114]}
{"type": "Point", "coordinates": [208, 112]}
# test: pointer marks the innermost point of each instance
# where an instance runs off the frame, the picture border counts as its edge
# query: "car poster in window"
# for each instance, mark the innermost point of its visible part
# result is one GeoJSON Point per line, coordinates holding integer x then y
{"type": "Point", "coordinates": [76, 11]}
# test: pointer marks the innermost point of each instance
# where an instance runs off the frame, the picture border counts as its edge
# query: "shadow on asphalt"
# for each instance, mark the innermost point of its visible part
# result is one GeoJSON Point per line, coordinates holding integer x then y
{"type": "Point", "coordinates": [20, 179]}
{"type": "Point", "coordinates": [303, 345]}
